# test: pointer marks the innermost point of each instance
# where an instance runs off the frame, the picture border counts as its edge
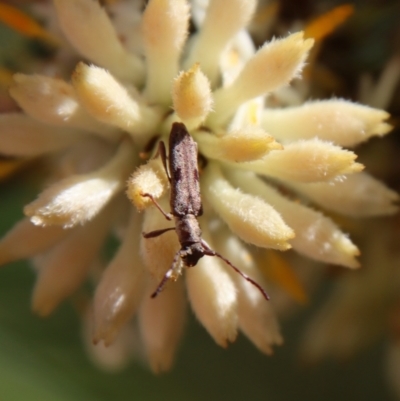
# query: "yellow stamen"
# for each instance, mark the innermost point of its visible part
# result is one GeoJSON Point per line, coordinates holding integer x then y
{"type": "Point", "coordinates": [24, 24]}
{"type": "Point", "coordinates": [322, 26]}
{"type": "Point", "coordinates": [276, 269]}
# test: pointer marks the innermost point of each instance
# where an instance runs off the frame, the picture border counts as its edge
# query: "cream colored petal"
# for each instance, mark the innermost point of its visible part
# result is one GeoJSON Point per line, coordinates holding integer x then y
{"type": "Point", "coordinates": [306, 161]}
{"type": "Point", "coordinates": [26, 240]}
{"type": "Point", "coordinates": [221, 24]}
{"type": "Point", "coordinates": [250, 143]}
{"type": "Point", "coordinates": [358, 195]}
{"type": "Point", "coordinates": [212, 295]}
{"type": "Point", "coordinates": [191, 97]}
{"type": "Point", "coordinates": [121, 286]}
{"type": "Point", "coordinates": [77, 199]}
{"type": "Point", "coordinates": [112, 358]}
{"type": "Point", "coordinates": [340, 121]}
{"type": "Point", "coordinates": [62, 270]}
{"type": "Point", "coordinates": [54, 102]}
{"type": "Point", "coordinates": [256, 315]}
{"type": "Point", "coordinates": [110, 102]}
{"type": "Point", "coordinates": [317, 236]}
{"type": "Point", "coordinates": [148, 178]}
{"type": "Point", "coordinates": [161, 322]}
{"type": "Point", "coordinates": [88, 28]}
{"type": "Point", "coordinates": [165, 26]}
{"type": "Point", "coordinates": [249, 217]}
{"type": "Point", "coordinates": [22, 136]}
{"type": "Point", "coordinates": [273, 66]}
{"type": "Point", "coordinates": [248, 115]}
{"type": "Point", "coordinates": [158, 252]}
{"type": "Point", "coordinates": [381, 94]}
{"type": "Point", "coordinates": [357, 312]}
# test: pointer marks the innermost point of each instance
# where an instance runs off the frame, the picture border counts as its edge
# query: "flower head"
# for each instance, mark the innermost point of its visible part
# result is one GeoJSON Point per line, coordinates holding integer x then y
{"type": "Point", "coordinates": [100, 124]}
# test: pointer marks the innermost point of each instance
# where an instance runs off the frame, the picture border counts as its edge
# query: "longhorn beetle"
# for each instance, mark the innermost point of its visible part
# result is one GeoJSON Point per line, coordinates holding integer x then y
{"type": "Point", "coordinates": [186, 206]}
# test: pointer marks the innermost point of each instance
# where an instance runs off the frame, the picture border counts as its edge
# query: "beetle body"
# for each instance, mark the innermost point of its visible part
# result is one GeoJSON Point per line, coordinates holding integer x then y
{"type": "Point", "coordinates": [185, 203]}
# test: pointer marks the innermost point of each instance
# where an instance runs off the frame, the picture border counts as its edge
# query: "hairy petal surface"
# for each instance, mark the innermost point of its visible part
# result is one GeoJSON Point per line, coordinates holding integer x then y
{"type": "Point", "coordinates": [340, 121]}
{"type": "Point", "coordinates": [86, 25]}
{"type": "Point", "coordinates": [250, 218]}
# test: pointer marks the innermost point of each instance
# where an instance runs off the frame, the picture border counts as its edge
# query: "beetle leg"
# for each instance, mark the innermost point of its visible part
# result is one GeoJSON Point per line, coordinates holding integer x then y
{"type": "Point", "coordinates": [157, 233]}
{"type": "Point", "coordinates": [168, 275]}
{"type": "Point", "coordinates": [168, 216]}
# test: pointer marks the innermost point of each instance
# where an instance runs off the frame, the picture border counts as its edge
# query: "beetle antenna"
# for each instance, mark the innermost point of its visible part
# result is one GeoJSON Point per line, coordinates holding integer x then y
{"type": "Point", "coordinates": [211, 252]}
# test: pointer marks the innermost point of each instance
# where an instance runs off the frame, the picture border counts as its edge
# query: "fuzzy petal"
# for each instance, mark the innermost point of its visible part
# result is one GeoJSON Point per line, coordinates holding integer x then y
{"type": "Point", "coordinates": [317, 236]}
{"type": "Point", "coordinates": [165, 27]}
{"type": "Point", "coordinates": [357, 195]}
{"type": "Point", "coordinates": [53, 101]}
{"type": "Point", "coordinates": [248, 144]}
{"type": "Point", "coordinates": [191, 96]}
{"type": "Point", "coordinates": [62, 270]}
{"type": "Point", "coordinates": [109, 101]}
{"type": "Point", "coordinates": [250, 218]}
{"type": "Point", "coordinates": [257, 319]}
{"type": "Point", "coordinates": [161, 322]}
{"type": "Point", "coordinates": [77, 199]}
{"type": "Point", "coordinates": [90, 31]}
{"type": "Point", "coordinates": [26, 240]}
{"type": "Point", "coordinates": [306, 161]}
{"type": "Point", "coordinates": [273, 66]}
{"type": "Point", "coordinates": [158, 252]}
{"type": "Point", "coordinates": [340, 121]}
{"type": "Point", "coordinates": [121, 287]}
{"type": "Point", "coordinates": [219, 27]}
{"type": "Point", "coordinates": [22, 136]}
{"type": "Point", "coordinates": [148, 178]}
{"type": "Point", "coordinates": [212, 295]}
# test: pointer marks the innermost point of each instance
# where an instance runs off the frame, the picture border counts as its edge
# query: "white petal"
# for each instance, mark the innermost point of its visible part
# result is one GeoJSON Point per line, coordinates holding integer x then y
{"type": "Point", "coordinates": [150, 179]}
{"type": "Point", "coordinates": [121, 287]}
{"type": "Point", "coordinates": [357, 195]}
{"type": "Point", "coordinates": [165, 27]}
{"type": "Point", "coordinates": [273, 66]}
{"type": "Point", "coordinates": [248, 144]}
{"type": "Point", "coordinates": [22, 136]}
{"type": "Point", "coordinates": [213, 298]}
{"type": "Point", "coordinates": [26, 240]}
{"type": "Point", "coordinates": [53, 101]}
{"type": "Point", "coordinates": [191, 96]}
{"type": "Point", "coordinates": [79, 198]}
{"type": "Point", "coordinates": [110, 102]}
{"type": "Point", "coordinates": [340, 121]}
{"type": "Point", "coordinates": [250, 218]}
{"type": "Point", "coordinates": [89, 30]}
{"type": "Point", "coordinates": [317, 236]}
{"type": "Point", "coordinates": [306, 161]}
{"type": "Point", "coordinates": [219, 27]}
{"type": "Point", "coordinates": [161, 322]}
{"type": "Point", "coordinates": [112, 358]}
{"type": "Point", "coordinates": [62, 270]}
{"type": "Point", "coordinates": [256, 315]}
{"type": "Point", "coordinates": [158, 252]}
